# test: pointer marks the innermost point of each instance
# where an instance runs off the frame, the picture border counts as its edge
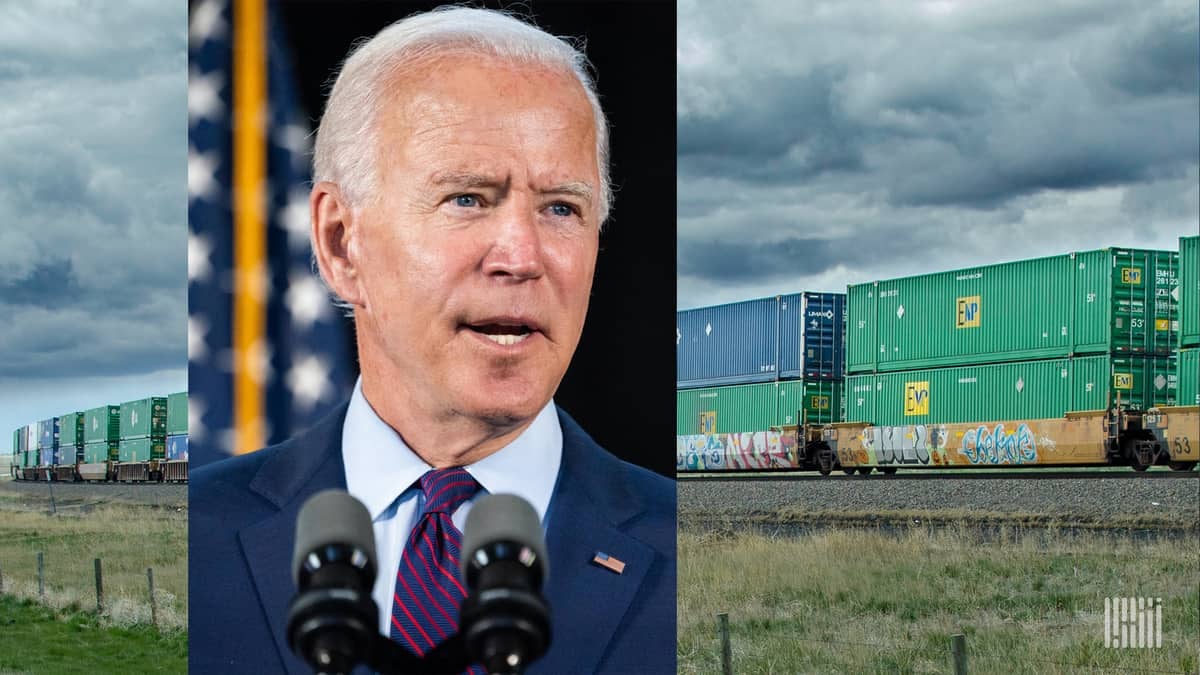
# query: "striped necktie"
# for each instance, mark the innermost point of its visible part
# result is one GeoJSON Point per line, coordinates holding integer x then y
{"type": "Point", "coordinates": [428, 590]}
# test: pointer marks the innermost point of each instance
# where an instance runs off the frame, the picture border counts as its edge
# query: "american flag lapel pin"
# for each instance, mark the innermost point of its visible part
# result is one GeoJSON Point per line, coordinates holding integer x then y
{"type": "Point", "coordinates": [608, 562]}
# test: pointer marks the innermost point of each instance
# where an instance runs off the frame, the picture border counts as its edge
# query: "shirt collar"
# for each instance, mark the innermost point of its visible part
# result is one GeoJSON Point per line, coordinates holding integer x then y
{"type": "Point", "coordinates": [380, 466]}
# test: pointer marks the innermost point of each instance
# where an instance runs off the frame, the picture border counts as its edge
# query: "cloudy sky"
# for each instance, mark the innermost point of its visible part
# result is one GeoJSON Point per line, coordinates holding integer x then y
{"type": "Point", "coordinates": [825, 143]}
{"type": "Point", "coordinates": [93, 252]}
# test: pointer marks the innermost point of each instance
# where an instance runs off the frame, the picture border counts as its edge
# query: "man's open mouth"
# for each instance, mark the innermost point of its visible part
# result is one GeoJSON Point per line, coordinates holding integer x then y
{"type": "Point", "coordinates": [503, 333]}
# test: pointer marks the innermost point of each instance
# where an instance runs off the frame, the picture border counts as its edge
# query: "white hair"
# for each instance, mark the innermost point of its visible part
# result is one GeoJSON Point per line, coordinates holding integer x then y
{"type": "Point", "coordinates": [346, 148]}
{"type": "Point", "coordinates": [347, 144]}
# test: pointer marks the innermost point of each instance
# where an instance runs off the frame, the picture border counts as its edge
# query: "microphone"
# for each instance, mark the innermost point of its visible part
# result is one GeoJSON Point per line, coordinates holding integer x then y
{"type": "Point", "coordinates": [331, 623]}
{"type": "Point", "coordinates": [504, 620]}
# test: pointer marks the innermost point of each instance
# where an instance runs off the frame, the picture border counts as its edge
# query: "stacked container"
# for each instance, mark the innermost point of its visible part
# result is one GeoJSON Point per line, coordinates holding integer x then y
{"type": "Point", "coordinates": [143, 430]}
{"type": "Point", "coordinates": [1189, 321]}
{"type": "Point", "coordinates": [177, 426]}
{"type": "Point", "coordinates": [930, 334]}
{"type": "Point", "coordinates": [101, 434]}
{"type": "Point", "coordinates": [70, 444]}
{"type": "Point", "coordinates": [751, 365]}
{"type": "Point", "coordinates": [47, 434]}
{"type": "Point", "coordinates": [1022, 390]}
{"type": "Point", "coordinates": [32, 455]}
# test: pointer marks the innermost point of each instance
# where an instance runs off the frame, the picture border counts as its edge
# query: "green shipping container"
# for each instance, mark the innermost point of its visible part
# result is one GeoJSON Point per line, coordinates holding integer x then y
{"type": "Point", "coordinates": [101, 451]}
{"type": "Point", "coordinates": [1189, 376]}
{"type": "Point", "coordinates": [755, 407]}
{"type": "Point", "coordinates": [1111, 301]}
{"type": "Point", "coordinates": [1189, 291]}
{"type": "Point", "coordinates": [144, 417]}
{"type": "Point", "coordinates": [1009, 391]}
{"type": "Point", "coordinates": [142, 449]}
{"type": "Point", "coordinates": [16, 443]}
{"type": "Point", "coordinates": [177, 414]}
{"type": "Point", "coordinates": [71, 429]}
{"type": "Point", "coordinates": [102, 424]}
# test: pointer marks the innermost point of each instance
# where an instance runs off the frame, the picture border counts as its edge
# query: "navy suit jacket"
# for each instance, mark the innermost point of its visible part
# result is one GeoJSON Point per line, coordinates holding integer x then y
{"type": "Point", "coordinates": [242, 531]}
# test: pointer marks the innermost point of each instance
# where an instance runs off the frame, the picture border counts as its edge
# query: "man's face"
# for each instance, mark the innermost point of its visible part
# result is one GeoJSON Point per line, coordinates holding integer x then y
{"type": "Point", "coordinates": [475, 260]}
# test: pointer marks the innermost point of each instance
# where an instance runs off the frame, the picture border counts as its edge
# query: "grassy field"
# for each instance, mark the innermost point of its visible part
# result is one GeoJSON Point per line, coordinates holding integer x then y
{"type": "Point", "coordinates": [127, 538]}
{"type": "Point", "coordinates": [851, 601]}
{"type": "Point", "coordinates": [38, 639]}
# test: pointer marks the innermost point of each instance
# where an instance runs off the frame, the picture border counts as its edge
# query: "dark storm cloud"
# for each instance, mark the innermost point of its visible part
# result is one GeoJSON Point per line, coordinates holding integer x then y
{"type": "Point", "coordinates": [1050, 126]}
{"type": "Point", "coordinates": [92, 189]}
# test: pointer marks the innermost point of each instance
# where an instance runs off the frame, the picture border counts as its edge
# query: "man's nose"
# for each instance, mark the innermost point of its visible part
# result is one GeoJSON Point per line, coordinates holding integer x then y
{"type": "Point", "coordinates": [516, 250]}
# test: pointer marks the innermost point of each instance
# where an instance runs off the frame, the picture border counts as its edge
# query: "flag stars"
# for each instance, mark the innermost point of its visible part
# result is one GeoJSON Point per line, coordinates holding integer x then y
{"type": "Point", "coordinates": [306, 300]}
{"type": "Point", "coordinates": [294, 218]}
{"type": "Point", "coordinates": [199, 254]}
{"type": "Point", "coordinates": [197, 330]}
{"type": "Point", "coordinates": [308, 381]}
{"type": "Point", "coordinates": [196, 410]}
{"type": "Point", "coordinates": [204, 96]}
{"type": "Point", "coordinates": [207, 22]}
{"type": "Point", "coordinates": [202, 169]}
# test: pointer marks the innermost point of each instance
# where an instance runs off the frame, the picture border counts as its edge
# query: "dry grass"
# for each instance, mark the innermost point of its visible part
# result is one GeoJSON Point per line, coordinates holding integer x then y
{"type": "Point", "coordinates": [127, 540]}
{"type": "Point", "coordinates": [865, 601]}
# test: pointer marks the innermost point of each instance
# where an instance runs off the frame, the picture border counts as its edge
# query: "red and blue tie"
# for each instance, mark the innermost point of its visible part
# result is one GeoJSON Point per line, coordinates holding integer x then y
{"type": "Point", "coordinates": [428, 590]}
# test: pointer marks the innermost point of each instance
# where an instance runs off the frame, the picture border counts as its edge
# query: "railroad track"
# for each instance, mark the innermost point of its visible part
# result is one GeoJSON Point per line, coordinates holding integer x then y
{"type": "Point", "coordinates": [1029, 474]}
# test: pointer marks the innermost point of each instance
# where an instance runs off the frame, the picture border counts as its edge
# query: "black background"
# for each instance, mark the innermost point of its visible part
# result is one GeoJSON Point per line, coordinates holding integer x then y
{"type": "Point", "coordinates": [620, 386]}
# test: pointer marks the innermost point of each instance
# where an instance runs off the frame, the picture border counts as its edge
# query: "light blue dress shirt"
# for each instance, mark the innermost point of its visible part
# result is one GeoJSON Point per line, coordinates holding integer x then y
{"type": "Point", "coordinates": [381, 471]}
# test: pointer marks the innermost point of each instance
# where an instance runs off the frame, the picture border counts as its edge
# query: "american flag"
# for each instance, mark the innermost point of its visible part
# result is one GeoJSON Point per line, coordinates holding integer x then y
{"type": "Point", "coordinates": [266, 349]}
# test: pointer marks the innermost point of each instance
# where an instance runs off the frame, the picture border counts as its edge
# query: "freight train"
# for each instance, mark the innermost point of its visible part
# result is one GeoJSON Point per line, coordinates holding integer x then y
{"type": "Point", "coordinates": [1086, 359]}
{"type": "Point", "coordinates": [143, 440]}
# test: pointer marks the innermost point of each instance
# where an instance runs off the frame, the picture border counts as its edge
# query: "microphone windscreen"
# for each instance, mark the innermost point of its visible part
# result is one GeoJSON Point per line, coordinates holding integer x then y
{"type": "Point", "coordinates": [503, 518]}
{"type": "Point", "coordinates": [332, 517]}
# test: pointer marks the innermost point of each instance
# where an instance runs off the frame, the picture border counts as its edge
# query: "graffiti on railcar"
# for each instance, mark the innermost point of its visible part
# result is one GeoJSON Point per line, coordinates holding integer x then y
{"type": "Point", "coordinates": [740, 451]}
{"type": "Point", "coordinates": [909, 444]}
{"type": "Point", "coordinates": [999, 446]}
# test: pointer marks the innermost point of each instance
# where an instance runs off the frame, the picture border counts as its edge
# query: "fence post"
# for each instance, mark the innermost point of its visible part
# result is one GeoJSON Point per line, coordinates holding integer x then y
{"type": "Point", "coordinates": [958, 647]}
{"type": "Point", "coordinates": [726, 650]}
{"type": "Point", "coordinates": [153, 606]}
{"type": "Point", "coordinates": [41, 576]}
{"type": "Point", "coordinates": [99, 588]}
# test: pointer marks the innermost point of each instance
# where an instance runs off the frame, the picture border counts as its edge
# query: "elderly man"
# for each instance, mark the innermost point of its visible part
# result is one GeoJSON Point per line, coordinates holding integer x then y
{"type": "Point", "coordinates": [460, 184]}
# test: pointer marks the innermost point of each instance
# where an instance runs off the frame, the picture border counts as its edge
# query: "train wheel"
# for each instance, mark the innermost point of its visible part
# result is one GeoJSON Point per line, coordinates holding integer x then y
{"type": "Point", "coordinates": [849, 470]}
{"type": "Point", "coordinates": [1181, 466]}
{"type": "Point", "coordinates": [865, 470]}
{"type": "Point", "coordinates": [825, 462]}
{"type": "Point", "coordinates": [888, 470]}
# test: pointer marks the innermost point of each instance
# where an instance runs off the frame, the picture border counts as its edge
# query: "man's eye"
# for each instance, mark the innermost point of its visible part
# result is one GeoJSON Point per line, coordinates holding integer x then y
{"type": "Point", "coordinates": [466, 201]}
{"type": "Point", "coordinates": [562, 210]}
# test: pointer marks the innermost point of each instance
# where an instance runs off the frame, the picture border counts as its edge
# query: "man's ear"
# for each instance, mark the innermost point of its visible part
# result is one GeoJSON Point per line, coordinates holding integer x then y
{"type": "Point", "coordinates": [333, 233]}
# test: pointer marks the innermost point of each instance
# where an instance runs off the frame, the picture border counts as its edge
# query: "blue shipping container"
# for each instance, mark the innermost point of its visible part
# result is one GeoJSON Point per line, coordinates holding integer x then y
{"type": "Point", "coordinates": [48, 433]}
{"type": "Point", "coordinates": [177, 447]}
{"type": "Point", "coordinates": [47, 456]}
{"type": "Point", "coordinates": [799, 335]}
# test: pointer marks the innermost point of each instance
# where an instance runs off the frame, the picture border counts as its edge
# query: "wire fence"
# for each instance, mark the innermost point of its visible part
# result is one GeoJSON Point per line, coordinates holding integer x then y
{"type": "Point", "coordinates": [121, 610]}
{"type": "Point", "coordinates": [957, 653]}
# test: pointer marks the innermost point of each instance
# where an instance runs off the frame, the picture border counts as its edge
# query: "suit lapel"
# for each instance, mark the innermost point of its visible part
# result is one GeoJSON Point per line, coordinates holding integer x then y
{"type": "Point", "coordinates": [588, 506]}
{"type": "Point", "coordinates": [297, 469]}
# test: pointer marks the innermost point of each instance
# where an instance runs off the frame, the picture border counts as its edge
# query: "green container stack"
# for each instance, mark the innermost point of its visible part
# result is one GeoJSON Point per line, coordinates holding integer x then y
{"type": "Point", "coordinates": [102, 434]}
{"type": "Point", "coordinates": [177, 413]}
{"type": "Point", "coordinates": [1189, 292]}
{"type": "Point", "coordinates": [1110, 301]}
{"type": "Point", "coordinates": [1189, 376]}
{"type": "Point", "coordinates": [756, 407]}
{"type": "Point", "coordinates": [143, 429]}
{"type": "Point", "coordinates": [1023, 390]}
{"type": "Point", "coordinates": [71, 437]}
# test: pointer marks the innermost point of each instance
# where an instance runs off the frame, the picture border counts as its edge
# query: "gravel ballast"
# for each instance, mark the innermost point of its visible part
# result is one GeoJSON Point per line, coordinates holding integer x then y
{"type": "Point", "coordinates": [1172, 503]}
